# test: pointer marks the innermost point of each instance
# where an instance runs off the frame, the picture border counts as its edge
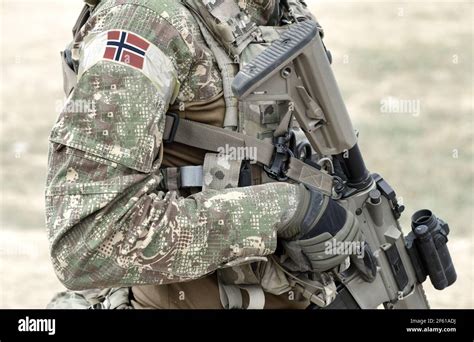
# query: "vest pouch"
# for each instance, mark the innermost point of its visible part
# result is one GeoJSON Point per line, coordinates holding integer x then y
{"type": "Point", "coordinates": [230, 26]}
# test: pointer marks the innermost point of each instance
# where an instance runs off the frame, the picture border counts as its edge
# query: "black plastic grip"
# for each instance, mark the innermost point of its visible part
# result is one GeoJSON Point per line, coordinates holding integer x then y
{"type": "Point", "coordinates": [291, 42]}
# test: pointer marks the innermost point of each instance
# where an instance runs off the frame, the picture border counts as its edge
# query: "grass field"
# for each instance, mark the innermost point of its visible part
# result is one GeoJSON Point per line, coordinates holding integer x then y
{"type": "Point", "coordinates": [385, 53]}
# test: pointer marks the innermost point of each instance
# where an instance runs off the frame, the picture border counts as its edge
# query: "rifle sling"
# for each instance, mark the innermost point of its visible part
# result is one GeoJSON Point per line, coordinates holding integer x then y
{"type": "Point", "coordinates": [213, 139]}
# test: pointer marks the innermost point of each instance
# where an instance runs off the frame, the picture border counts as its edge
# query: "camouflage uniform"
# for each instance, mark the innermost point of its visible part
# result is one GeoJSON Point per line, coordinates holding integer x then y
{"type": "Point", "coordinates": [110, 222]}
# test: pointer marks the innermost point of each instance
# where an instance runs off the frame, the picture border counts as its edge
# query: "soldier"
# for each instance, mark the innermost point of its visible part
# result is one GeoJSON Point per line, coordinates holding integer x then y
{"type": "Point", "coordinates": [132, 204]}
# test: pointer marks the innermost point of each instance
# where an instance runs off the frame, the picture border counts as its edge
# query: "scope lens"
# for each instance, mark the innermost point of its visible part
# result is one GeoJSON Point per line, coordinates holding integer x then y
{"type": "Point", "coordinates": [422, 216]}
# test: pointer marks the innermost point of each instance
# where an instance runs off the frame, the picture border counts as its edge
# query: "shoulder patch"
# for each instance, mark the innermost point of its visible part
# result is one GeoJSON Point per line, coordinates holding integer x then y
{"type": "Point", "coordinates": [126, 48]}
{"type": "Point", "coordinates": [130, 49]}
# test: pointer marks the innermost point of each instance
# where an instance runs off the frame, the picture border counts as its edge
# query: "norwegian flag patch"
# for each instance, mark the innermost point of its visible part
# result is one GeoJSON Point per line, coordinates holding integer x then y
{"type": "Point", "coordinates": [125, 47]}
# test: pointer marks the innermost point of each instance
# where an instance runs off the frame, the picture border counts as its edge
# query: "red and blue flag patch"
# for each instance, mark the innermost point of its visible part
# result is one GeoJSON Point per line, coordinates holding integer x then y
{"type": "Point", "coordinates": [125, 47]}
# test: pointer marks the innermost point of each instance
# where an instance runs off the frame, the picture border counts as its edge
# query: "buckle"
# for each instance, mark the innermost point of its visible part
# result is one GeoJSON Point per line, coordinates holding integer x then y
{"type": "Point", "coordinates": [279, 165]}
{"type": "Point", "coordinates": [174, 127]}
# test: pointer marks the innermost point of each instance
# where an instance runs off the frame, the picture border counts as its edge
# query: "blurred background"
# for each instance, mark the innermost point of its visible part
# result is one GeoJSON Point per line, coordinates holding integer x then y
{"type": "Point", "coordinates": [404, 68]}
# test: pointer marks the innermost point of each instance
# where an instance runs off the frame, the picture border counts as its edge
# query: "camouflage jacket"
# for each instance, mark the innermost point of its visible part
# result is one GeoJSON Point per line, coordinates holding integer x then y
{"type": "Point", "coordinates": [109, 222]}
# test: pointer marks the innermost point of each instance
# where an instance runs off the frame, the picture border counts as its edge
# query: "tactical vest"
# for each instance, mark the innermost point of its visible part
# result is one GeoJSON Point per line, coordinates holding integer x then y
{"type": "Point", "coordinates": [235, 41]}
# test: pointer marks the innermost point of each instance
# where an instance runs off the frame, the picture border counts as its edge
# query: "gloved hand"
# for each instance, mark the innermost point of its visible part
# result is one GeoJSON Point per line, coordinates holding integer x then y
{"type": "Point", "coordinates": [319, 224]}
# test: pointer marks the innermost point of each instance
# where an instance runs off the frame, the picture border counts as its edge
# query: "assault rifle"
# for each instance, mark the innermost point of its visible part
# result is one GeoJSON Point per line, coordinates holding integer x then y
{"type": "Point", "coordinates": [296, 68]}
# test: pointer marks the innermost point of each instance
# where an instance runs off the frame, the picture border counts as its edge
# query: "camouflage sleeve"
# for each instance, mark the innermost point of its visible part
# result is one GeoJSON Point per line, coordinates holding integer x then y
{"type": "Point", "coordinates": [108, 223]}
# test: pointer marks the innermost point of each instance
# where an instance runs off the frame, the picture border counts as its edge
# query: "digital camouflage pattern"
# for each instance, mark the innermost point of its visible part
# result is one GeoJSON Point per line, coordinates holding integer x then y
{"type": "Point", "coordinates": [109, 224]}
{"type": "Point", "coordinates": [259, 11]}
{"type": "Point", "coordinates": [220, 172]}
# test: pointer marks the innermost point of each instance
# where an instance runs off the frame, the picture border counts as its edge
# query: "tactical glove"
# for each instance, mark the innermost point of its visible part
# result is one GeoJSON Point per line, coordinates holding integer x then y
{"type": "Point", "coordinates": [312, 239]}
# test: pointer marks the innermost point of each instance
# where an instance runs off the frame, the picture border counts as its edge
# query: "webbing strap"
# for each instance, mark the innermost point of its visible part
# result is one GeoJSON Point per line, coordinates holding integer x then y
{"type": "Point", "coordinates": [301, 172]}
{"type": "Point", "coordinates": [213, 138]}
{"type": "Point", "coordinates": [256, 296]}
{"type": "Point", "coordinates": [228, 71]}
{"type": "Point", "coordinates": [92, 2]}
{"type": "Point", "coordinates": [83, 17]}
{"type": "Point", "coordinates": [231, 296]}
{"type": "Point", "coordinates": [191, 176]}
{"type": "Point", "coordinates": [175, 178]}
{"type": "Point", "coordinates": [322, 293]}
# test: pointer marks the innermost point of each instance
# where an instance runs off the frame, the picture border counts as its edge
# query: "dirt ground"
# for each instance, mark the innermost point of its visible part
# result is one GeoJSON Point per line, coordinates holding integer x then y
{"type": "Point", "coordinates": [418, 50]}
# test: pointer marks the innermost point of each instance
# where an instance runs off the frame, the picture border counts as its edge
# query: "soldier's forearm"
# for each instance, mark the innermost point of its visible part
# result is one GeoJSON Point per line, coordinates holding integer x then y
{"type": "Point", "coordinates": [154, 238]}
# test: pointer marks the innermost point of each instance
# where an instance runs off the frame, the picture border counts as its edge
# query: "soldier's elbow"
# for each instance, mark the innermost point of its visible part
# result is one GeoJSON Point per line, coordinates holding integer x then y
{"type": "Point", "coordinates": [73, 266]}
{"type": "Point", "coordinates": [70, 274]}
